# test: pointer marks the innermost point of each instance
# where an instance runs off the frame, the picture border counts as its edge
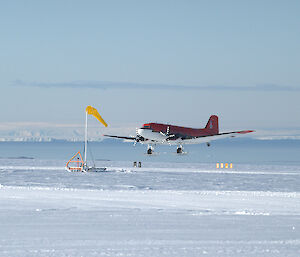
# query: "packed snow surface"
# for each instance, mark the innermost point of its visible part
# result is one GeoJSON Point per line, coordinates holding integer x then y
{"type": "Point", "coordinates": [161, 209]}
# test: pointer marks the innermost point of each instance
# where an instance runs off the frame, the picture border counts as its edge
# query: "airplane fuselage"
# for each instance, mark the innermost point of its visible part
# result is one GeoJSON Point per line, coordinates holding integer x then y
{"type": "Point", "coordinates": [159, 133]}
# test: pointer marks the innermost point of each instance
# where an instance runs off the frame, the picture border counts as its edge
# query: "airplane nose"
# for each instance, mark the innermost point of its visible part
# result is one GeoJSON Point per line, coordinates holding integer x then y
{"type": "Point", "coordinates": [140, 131]}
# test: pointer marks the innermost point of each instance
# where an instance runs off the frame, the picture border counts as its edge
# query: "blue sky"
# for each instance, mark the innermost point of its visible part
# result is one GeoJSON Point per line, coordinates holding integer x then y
{"type": "Point", "coordinates": [242, 57]}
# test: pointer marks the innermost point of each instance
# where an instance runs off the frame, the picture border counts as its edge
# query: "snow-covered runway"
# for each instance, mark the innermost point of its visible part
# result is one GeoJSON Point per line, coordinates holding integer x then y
{"type": "Point", "coordinates": [159, 210]}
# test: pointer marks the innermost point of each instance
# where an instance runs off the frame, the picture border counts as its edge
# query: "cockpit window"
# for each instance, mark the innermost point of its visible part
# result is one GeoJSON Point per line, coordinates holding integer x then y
{"type": "Point", "coordinates": [146, 126]}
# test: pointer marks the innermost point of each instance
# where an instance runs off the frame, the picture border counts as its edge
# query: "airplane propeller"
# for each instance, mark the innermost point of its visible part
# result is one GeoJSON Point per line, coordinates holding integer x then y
{"type": "Point", "coordinates": [167, 132]}
{"type": "Point", "coordinates": [167, 135]}
{"type": "Point", "coordinates": [138, 138]}
{"type": "Point", "coordinates": [135, 141]}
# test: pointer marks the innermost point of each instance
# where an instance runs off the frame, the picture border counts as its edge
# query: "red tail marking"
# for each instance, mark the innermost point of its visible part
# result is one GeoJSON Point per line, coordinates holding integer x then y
{"type": "Point", "coordinates": [212, 125]}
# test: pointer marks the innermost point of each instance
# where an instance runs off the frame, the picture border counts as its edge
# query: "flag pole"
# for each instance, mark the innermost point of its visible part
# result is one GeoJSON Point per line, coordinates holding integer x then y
{"type": "Point", "coordinates": [85, 140]}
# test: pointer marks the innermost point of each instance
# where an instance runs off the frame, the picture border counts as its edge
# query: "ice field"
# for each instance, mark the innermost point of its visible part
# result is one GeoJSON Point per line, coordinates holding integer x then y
{"type": "Point", "coordinates": [157, 210]}
{"type": "Point", "coordinates": [161, 209]}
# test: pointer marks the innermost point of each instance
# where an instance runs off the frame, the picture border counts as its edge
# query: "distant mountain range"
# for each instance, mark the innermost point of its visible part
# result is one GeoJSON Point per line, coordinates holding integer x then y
{"type": "Point", "coordinates": [49, 133]}
{"type": "Point", "coordinates": [75, 133]}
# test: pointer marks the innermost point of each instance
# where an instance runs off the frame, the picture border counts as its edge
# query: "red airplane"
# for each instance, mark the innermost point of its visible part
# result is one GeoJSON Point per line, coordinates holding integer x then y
{"type": "Point", "coordinates": [157, 133]}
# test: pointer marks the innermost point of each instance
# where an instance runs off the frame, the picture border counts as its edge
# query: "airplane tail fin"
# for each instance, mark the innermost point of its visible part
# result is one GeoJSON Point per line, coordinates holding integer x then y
{"type": "Point", "coordinates": [212, 125]}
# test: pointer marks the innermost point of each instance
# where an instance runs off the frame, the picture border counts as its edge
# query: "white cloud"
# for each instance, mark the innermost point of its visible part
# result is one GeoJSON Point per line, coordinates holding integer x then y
{"type": "Point", "coordinates": [107, 85]}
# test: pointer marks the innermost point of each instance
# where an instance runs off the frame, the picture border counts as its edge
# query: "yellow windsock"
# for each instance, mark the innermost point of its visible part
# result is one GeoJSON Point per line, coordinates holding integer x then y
{"type": "Point", "coordinates": [93, 111]}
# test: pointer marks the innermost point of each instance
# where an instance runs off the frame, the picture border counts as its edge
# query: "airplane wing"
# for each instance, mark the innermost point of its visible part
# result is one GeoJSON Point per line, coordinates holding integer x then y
{"type": "Point", "coordinates": [177, 138]}
{"type": "Point", "coordinates": [232, 134]}
{"type": "Point", "coordinates": [226, 134]}
{"type": "Point", "coordinates": [127, 138]}
{"type": "Point", "coordinates": [208, 138]}
{"type": "Point", "coordinates": [138, 138]}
